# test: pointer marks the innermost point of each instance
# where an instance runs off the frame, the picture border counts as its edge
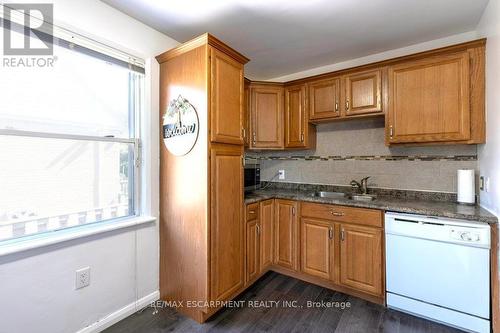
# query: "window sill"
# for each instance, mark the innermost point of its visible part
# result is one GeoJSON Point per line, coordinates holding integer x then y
{"type": "Point", "coordinates": [59, 236]}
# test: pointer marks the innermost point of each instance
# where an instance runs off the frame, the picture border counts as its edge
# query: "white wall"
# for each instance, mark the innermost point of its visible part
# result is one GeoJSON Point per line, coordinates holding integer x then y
{"type": "Point", "coordinates": [37, 287]}
{"type": "Point", "coordinates": [433, 44]}
{"type": "Point", "coordinates": [489, 153]}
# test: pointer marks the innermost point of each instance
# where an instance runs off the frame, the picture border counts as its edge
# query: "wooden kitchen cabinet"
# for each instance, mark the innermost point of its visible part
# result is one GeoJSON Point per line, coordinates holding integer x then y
{"type": "Point", "coordinates": [202, 230]}
{"type": "Point", "coordinates": [266, 116]}
{"type": "Point", "coordinates": [298, 132]}
{"type": "Point", "coordinates": [227, 233]}
{"type": "Point", "coordinates": [363, 93]}
{"type": "Point", "coordinates": [286, 234]}
{"type": "Point", "coordinates": [317, 248]}
{"type": "Point", "coordinates": [252, 250]}
{"type": "Point", "coordinates": [266, 234]}
{"type": "Point", "coordinates": [324, 99]}
{"type": "Point", "coordinates": [361, 258]}
{"type": "Point", "coordinates": [429, 100]}
{"type": "Point", "coordinates": [227, 98]}
{"type": "Point", "coordinates": [246, 115]}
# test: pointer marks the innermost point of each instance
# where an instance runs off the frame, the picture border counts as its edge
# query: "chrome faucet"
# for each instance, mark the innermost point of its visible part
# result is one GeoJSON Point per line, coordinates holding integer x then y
{"type": "Point", "coordinates": [362, 186]}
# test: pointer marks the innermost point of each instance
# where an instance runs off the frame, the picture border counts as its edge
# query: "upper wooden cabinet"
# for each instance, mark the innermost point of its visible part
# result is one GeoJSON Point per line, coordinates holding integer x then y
{"type": "Point", "coordinates": [324, 99]}
{"type": "Point", "coordinates": [266, 116]}
{"type": "Point", "coordinates": [227, 98]}
{"type": "Point", "coordinates": [430, 100]}
{"type": "Point", "coordinates": [246, 115]}
{"type": "Point", "coordinates": [363, 93]}
{"type": "Point", "coordinates": [298, 132]}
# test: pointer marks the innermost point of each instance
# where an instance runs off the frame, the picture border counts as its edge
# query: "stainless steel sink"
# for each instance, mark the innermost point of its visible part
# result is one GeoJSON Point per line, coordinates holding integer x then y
{"type": "Point", "coordinates": [362, 197]}
{"type": "Point", "coordinates": [341, 195]}
{"type": "Point", "coordinates": [332, 195]}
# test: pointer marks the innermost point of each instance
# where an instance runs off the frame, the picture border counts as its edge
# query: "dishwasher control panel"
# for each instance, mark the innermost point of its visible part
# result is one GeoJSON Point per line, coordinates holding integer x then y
{"type": "Point", "coordinates": [468, 236]}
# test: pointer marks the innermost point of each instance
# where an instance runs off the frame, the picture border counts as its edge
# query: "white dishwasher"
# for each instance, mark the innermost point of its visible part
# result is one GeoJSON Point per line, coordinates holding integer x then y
{"type": "Point", "coordinates": [439, 269]}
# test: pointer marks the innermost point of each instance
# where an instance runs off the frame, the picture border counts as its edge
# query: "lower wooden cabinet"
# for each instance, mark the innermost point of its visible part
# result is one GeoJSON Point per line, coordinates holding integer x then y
{"type": "Point", "coordinates": [335, 246]}
{"type": "Point", "coordinates": [266, 234]}
{"type": "Point", "coordinates": [317, 248]}
{"type": "Point", "coordinates": [252, 250]}
{"type": "Point", "coordinates": [361, 258]}
{"type": "Point", "coordinates": [286, 234]}
{"type": "Point", "coordinates": [227, 237]}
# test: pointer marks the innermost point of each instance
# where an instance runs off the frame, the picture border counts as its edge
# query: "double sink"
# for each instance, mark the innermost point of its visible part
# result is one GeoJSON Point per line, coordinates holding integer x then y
{"type": "Point", "coordinates": [340, 195]}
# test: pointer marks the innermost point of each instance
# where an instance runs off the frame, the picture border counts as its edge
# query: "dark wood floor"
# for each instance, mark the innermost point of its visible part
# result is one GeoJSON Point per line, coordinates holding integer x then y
{"type": "Point", "coordinates": [361, 316]}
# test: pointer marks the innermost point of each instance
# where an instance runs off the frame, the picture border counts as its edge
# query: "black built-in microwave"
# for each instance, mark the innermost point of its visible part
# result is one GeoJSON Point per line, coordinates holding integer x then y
{"type": "Point", "coordinates": [252, 175]}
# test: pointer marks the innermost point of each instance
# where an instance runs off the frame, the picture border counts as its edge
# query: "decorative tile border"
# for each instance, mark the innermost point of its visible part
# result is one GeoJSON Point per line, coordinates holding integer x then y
{"type": "Point", "coordinates": [367, 158]}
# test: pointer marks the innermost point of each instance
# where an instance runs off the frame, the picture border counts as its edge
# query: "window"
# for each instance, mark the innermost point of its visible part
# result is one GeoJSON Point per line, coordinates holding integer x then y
{"type": "Point", "coordinates": [68, 141]}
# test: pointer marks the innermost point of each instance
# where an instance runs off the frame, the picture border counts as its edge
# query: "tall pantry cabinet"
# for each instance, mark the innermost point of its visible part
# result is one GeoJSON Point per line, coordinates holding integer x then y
{"type": "Point", "coordinates": [201, 191]}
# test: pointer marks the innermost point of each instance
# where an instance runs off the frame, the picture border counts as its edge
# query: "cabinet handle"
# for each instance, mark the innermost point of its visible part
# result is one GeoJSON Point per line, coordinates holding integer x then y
{"type": "Point", "coordinates": [252, 212]}
{"type": "Point", "coordinates": [330, 233]}
{"type": "Point", "coordinates": [244, 133]}
{"type": "Point", "coordinates": [336, 107]}
{"type": "Point", "coordinates": [293, 211]}
{"type": "Point", "coordinates": [302, 137]}
{"type": "Point", "coordinates": [254, 138]}
{"type": "Point", "coordinates": [337, 213]}
{"type": "Point", "coordinates": [342, 235]}
{"type": "Point", "coordinates": [391, 131]}
{"type": "Point", "coordinates": [258, 229]}
{"type": "Point", "coordinates": [346, 105]}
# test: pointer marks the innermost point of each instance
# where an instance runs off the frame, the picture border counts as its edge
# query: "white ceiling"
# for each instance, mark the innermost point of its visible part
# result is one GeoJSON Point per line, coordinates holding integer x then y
{"type": "Point", "coordinates": [287, 36]}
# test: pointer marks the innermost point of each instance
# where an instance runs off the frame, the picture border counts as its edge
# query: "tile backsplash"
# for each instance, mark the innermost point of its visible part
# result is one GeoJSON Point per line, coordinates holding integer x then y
{"type": "Point", "coordinates": [355, 149]}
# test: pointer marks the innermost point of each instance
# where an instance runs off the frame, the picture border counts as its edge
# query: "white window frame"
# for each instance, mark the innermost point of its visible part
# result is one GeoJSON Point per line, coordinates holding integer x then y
{"type": "Point", "coordinates": [135, 216]}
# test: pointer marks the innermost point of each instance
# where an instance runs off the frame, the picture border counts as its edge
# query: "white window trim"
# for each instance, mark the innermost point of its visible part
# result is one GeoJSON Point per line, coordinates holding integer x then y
{"type": "Point", "coordinates": [63, 235]}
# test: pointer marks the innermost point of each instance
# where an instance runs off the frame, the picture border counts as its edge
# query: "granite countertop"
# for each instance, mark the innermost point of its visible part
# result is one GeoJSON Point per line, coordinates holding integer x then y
{"type": "Point", "coordinates": [387, 203]}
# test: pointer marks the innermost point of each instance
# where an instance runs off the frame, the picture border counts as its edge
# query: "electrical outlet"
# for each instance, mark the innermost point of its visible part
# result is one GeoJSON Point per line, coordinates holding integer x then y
{"type": "Point", "coordinates": [281, 174]}
{"type": "Point", "coordinates": [82, 278]}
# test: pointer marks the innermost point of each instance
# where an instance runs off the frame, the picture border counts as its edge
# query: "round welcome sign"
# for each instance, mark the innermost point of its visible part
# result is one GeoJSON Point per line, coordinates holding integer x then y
{"type": "Point", "coordinates": [180, 127]}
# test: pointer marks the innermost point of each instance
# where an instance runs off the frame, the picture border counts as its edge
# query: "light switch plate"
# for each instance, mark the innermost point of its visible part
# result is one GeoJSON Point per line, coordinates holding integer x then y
{"type": "Point", "coordinates": [281, 174]}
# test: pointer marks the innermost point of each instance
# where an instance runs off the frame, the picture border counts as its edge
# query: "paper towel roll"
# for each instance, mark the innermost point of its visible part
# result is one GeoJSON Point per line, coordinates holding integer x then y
{"type": "Point", "coordinates": [466, 187]}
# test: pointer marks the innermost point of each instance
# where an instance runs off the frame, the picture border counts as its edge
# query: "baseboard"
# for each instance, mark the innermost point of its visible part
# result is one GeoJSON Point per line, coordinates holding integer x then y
{"type": "Point", "coordinates": [122, 313]}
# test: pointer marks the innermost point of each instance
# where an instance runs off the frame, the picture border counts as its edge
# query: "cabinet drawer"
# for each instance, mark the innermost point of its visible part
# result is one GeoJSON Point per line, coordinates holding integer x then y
{"type": "Point", "coordinates": [363, 216]}
{"type": "Point", "coordinates": [252, 211]}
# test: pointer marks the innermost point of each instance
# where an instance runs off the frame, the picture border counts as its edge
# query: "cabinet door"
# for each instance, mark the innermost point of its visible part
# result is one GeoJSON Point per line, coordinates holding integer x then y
{"type": "Point", "coordinates": [317, 248]}
{"type": "Point", "coordinates": [324, 99]}
{"type": "Point", "coordinates": [226, 221]}
{"type": "Point", "coordinates": [252, 250]}
{"type": "Point", "coordinates": [286, 234]}
{"type": "Point", "coordinates": [363, 93]}
{"type": "Point", "coordinates": [266, 111]}
{"type": "Point", "coordinates": [429, 100]}
{"type": "Point", "coordinates": [246, 116]}
{"type": "Point", "coordinates": [266, 234]}
{"type": "Point", "coordinates": [296, 125]}
{"type": "Point", "coordinates": [361, 258]}
{"type": "Point", "coordinates": [226, 98]}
